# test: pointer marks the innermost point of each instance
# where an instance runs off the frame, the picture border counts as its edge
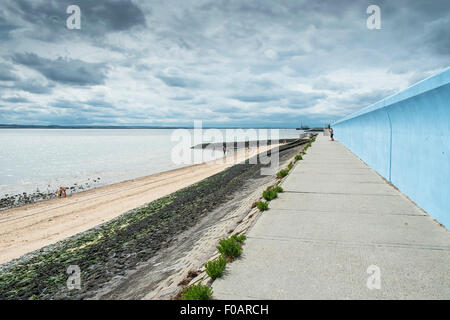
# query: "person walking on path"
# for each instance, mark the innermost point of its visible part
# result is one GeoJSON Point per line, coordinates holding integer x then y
{"type": "Point", "coordinates": [332, 134]}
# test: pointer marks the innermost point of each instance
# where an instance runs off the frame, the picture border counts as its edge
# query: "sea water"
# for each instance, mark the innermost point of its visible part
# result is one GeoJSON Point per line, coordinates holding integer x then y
{"type": "Point", "coordinates": [44, 159]}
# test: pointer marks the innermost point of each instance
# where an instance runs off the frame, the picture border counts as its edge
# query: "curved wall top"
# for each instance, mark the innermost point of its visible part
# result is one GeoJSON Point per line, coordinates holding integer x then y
{"type": "Point", "coordinates": [406, 139]}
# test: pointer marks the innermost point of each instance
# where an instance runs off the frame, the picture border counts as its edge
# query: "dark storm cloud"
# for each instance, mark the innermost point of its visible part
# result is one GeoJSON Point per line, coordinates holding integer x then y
{"type": "Point", "coordinates": [75, 72]}
{"type": "Point", "coordinates": [5, 29]}
{"type": "Point", "coordinates": [438, 36]}
{"type": "Point", "coordinates": [15, 99]}
{"type": "Point", "coordinates": [113, 15]}
{"type": "Point", "coordinates": [35, 86]}
{"type": "Point", "coordinates": [98, 17]}
{"type": "Point", "coordinates": [6, 73]}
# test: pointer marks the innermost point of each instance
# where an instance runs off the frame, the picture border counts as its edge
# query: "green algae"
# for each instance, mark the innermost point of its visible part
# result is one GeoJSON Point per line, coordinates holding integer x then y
{"type": "Point", "coordinates": [116, 245]}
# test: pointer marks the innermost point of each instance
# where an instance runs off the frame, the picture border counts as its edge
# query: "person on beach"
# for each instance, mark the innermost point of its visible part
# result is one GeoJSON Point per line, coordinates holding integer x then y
{"type": "Point", "coordinates": [62, 192]}
{"type": "Point", "coordinates": [332, 134]}
{"type": "Point", "coordinates": [224, 150]}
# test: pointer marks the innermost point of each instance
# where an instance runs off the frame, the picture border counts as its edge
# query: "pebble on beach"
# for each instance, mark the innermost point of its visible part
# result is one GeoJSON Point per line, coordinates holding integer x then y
{"type": "Point", "coordinates": [16, 200]}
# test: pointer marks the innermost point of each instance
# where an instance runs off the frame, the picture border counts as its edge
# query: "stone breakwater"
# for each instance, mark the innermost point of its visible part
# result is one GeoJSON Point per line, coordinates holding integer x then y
{"type": "Point", "coordinates": [242, 144]}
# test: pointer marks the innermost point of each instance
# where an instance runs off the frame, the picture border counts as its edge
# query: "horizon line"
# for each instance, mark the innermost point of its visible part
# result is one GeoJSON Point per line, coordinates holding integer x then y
{"type": "Point", "coordinates": [55, 126]}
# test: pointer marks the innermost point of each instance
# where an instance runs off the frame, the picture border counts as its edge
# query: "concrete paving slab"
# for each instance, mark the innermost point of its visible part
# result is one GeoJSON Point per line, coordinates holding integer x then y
{"type": "Point", "coordinates": [333, 171]}
{"type": "Point", "coordinates": [338, 161]}
{"type": "Point", "coordinates": [332, 186]}
{"type": "Point", "coordinates": [329, 166]}
{"type": "Point", "coordinates": [310, 178]}
{"type": "Point", "coordinates": [300, 270]}
{"type": "Point", "coordinates": [392, 230]}
{"type": "Point", "coordinates": [342, 203]}
{"type": "Point", "coordinates": [336, 157]}
{"type": "Point", "coordinates": [337, 218]}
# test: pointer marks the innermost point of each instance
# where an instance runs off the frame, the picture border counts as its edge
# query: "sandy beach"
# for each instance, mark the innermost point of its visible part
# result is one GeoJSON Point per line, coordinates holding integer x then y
{"type": "Point", "coordinates": [33, 226]}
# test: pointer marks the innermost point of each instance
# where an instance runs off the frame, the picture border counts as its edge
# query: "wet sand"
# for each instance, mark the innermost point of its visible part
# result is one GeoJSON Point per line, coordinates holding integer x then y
{"type": "Point", "coordinates": [33, 226]}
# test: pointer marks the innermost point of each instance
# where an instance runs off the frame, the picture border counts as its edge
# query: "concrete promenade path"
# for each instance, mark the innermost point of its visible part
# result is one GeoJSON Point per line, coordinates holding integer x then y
{"type": "Point", "coordinates": [337, 226]}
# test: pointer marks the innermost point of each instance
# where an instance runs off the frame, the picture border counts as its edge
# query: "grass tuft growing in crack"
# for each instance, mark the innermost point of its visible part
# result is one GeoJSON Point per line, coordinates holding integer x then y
{"type": "Point", "coordinates": [241, 238]}
{"type": "Point", "coordinates": [216, 267]}
{"type": "Point", "coordinates": [197, 292]}
{"type": "Point", "coordinates": [229, 248]}
{"type": "Point", "coordinates": [282, 173]}
{"type": "Point", "coordinates": [277, 189]}
{"type": "Point", "coordinates": [270, 194]}
{"type": "Point", "coordinates": [262, 205]}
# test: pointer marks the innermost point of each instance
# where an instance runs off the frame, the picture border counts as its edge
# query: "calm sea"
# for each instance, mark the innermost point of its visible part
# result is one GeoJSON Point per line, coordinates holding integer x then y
{"type": "Point", "coordinates": [45, 159]}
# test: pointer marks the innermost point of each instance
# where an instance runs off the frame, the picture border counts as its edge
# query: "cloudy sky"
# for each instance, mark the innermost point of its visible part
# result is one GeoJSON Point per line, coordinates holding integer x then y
{"type": "Point", "coordinates": [229, 63]}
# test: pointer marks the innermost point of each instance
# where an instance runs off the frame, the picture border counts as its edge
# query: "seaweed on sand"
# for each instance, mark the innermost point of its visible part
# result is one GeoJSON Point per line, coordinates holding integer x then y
{"type": "Point", "coordinates": [118, 245]}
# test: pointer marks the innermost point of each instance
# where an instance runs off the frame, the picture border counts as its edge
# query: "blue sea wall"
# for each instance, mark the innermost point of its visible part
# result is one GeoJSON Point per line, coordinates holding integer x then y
{"type": "Point", "coordinates": [406, 139]}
